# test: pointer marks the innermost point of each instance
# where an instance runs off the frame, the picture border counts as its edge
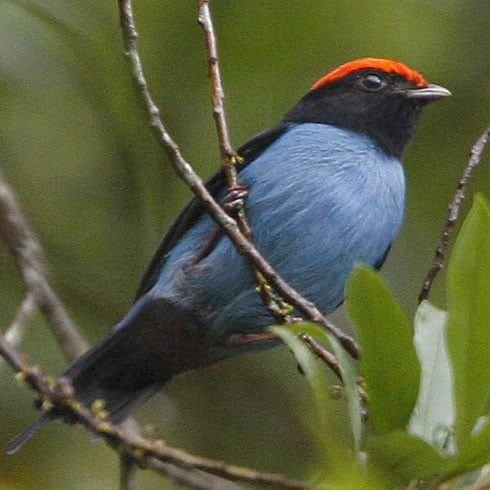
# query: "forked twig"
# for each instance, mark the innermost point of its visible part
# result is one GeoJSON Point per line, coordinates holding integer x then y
{"type": "Point", "coordinates": [127, 472]}
{"type": "Point", "coordinates": [29, 257]}
{"type": "Point", "coordinates": [187, 173]}
{"type": "Point", "coordinates": [138, 449]}
{"type": "Point", "coordinates": [15, 331]}
{"type": "Point", "coordinates": [229, 158]}
{"type": "Point", "coordinates": [227, 153]}
{"type": "Point", "coordinates": [324, 354]}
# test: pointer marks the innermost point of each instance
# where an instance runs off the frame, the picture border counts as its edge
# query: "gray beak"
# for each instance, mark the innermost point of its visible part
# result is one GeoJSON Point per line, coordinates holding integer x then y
{"type": "Point", "coordinates": [431, 92]}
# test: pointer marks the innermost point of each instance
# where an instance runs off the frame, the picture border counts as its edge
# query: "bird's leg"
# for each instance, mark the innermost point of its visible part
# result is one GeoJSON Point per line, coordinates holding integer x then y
{"type": "Point", "coordinates": [208, 247]}
{"type": "Point", "coordinates": [239, 340]}
{"type": "Point", "coordinates": [232, 203]}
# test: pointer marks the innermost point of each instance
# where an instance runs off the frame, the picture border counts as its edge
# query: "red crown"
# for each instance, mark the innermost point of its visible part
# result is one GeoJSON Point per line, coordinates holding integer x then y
{"type": "Point", "coordinates": [388, 66]}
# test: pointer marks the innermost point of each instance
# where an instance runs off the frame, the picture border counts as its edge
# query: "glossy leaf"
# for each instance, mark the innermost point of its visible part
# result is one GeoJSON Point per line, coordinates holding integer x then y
{"type": "Point", "coordinates": [351, 389]}
{"type": "Point", "coordinates": [401, 457]}
{"type": "Point", "coordinates": [388, 360]}
{"type": "Point", "coordinates": [434, 414]}
{"type": "Point", "coordinates": [474, 454]}
{"type": "Point", "coordinates": [315, 371]}
{"type": "Point", "coordinates": [316, 376]}
{"type": "Point", "coordinates": [468, 292]}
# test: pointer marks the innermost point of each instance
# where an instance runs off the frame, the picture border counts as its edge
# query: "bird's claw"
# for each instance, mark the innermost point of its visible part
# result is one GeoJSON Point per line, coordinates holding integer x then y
{"type": "Point", "coordinates": [235, 199]}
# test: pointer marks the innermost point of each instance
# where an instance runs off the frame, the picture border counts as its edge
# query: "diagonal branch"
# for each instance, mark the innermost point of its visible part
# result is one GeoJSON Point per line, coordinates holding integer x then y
{"type": "Point", "coordinates": [127, 470]}
{"type": "Point", "coordinates": [227, 153]}
{"type": "Point", "coordinates": [15, 331]}
{"type": "Point", "coordinates": [187, 173]}
{"type": "Point", "coordinates": [476, 154]}
{"type": "Point", "coordinates": [134, 447]}
{"type": "Point", "coordinates": [229, 158]}
{"type": "Point", "coordinates": [29, 257]}
{"type": "Point", "coordinates": [195, 479]}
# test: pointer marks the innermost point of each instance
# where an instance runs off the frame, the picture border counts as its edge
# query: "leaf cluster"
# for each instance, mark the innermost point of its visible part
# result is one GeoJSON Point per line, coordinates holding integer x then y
{"type": "Point", "coordinates": [427, 385]}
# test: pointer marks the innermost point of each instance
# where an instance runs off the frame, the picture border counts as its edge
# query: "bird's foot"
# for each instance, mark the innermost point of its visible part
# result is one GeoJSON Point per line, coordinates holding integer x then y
{"type": "Point", "coordinates": [235, 199]}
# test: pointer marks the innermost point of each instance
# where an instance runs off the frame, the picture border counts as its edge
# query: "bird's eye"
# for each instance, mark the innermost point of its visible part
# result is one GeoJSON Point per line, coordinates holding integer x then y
{"type": "Point", "coordinates": [372, 82]}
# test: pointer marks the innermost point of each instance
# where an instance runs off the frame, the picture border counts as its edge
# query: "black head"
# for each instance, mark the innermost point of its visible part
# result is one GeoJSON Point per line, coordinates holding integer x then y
{"type": "Point", "coordinates": [377, 97]}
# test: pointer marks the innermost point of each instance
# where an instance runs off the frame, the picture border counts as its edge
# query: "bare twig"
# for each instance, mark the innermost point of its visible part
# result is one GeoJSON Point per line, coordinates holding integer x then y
{"type": "Point", "coordinates": [187, 173]}
{"type": "Point", "coordinates": [13, 360]}
{"type": "Point", "coordinates": [127, 472]}
{"type": "Point", "coordinates": [194, 478]}
{"type": "Point", "coordinates": [453, 213]}
{"type": "Point", "coordinates": [137, 449]}
{"type": "Point", "coordinates": [144, 452]}
{"type": "Point", "coordinates": [228, 155]}
{"type": "Point", "coordinates": [227, 152]}
{"type": "Point", "coordinates": [193, 470]}
{"type": "Point", "coordinates": [324, 354]}
{"type": "Point", "coordinates": [331, 361]}
{"type": "Point", "coordinates": [229, 158]}
{"type": "Point", "coordinates": [29, 257]}
{"type": "Point", "coordinates": [15, 331]}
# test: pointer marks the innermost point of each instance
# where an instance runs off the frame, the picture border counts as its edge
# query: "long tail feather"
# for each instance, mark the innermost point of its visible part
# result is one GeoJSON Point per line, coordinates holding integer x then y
{"type": "Point", "coordinates": [15, 444]}
{"type": "Point", "coordinates": [155, 341]}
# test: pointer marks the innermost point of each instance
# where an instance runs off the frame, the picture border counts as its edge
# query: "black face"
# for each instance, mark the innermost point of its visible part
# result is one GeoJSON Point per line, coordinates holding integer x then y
{"type": "Point", "coordinates": [372, 102]}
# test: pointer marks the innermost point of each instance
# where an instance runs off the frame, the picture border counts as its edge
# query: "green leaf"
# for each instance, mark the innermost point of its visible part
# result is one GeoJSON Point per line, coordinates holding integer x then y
{"type": "Point", "coordinates": [474, 454]}
{"type": "Point", "coordinates": [310, 365]}
{"type": "Point", "coordinates": [316, 376]}
{"type": "Point", "coordinates": [434, 413]}
{"type": "Point", "coordinates": [401, 457]}
{"type": "Point", "coordinates": [468, 293]}
{"type": "Point", "coordinates": [351, 389]}
{"type": "Point", "coordinates": [315, 372]}
{"type": "Point", "coordinates": [388, 360]}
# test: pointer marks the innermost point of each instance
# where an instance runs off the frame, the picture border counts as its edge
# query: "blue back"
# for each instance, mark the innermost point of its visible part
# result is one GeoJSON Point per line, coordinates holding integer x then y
{"type": "Point", "coordinates": [320, 199]}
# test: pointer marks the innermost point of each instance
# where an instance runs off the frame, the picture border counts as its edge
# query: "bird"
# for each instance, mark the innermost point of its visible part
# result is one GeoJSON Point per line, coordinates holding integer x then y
{"type": "Point", "coordinates": [325, 189]}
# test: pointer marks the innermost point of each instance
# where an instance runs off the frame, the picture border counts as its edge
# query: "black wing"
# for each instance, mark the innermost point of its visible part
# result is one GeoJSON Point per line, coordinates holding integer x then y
{"type": "Point", "coordinates": [194, 208]}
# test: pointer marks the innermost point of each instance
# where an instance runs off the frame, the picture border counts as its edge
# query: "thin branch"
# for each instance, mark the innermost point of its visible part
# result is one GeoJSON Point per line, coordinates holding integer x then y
{"type": "Point", "coordinates": [12, 358]}
{"type": "Point", "coordinates": [227, 153]}
{"type": "Point", "coordinates": [324, 354]}
{"type": "Point", "coordinates": [453, 213]}
{"type": "Point", "coordinates": [139, 450]}
{"type": "Point", "coordinates": [29, 257]}
{"type": "Point", "coordinates": [229, 158]}
{"type": "Point", "coordinates": [18, 325]}
{"type": "Point", "coordinates": [187, 173]}
{"type": "Point", "coordinates": [143, 451]}
{"type": "Point", "coordinates": [15, 331]}
{"type": "Point", "coordinates": [331, 361]}
{"type": "Point", "coordinates": [127, 472]}
{"type": "Point", "coordinates": [194, 478]}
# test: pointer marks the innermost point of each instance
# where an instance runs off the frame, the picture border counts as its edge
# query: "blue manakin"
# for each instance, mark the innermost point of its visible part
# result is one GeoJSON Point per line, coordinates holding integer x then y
{"type": "Point", "coordinates": [326, 189]}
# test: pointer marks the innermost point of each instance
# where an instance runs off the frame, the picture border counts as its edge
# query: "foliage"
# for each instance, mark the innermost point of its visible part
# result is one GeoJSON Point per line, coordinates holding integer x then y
{"type": "Point", "coordinates": [77, 150]}
{"type": "Point", "coordinates": [428, 395]}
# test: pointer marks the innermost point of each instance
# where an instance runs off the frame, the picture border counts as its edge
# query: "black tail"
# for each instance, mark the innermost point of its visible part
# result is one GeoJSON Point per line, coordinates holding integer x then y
{"type": "Point", "coordinates": [15, 444]}
{"type": "Point", "coordinates": [155, 341]}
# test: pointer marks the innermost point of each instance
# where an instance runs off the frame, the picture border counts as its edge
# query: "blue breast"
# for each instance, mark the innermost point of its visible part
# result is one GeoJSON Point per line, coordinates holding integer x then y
{"type": "Point", "coordinates": [320, 199]}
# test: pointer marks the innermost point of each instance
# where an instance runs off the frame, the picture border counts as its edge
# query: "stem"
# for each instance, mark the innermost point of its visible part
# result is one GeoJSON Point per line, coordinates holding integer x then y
{"type": "Point", "coordinates": [453, 213]}
{"type": "Point", "coordinates": [187, 173]}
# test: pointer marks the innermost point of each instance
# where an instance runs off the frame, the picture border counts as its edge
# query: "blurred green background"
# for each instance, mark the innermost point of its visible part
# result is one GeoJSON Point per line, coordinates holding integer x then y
{"type": "Point", "coordinates": [76, 147]}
